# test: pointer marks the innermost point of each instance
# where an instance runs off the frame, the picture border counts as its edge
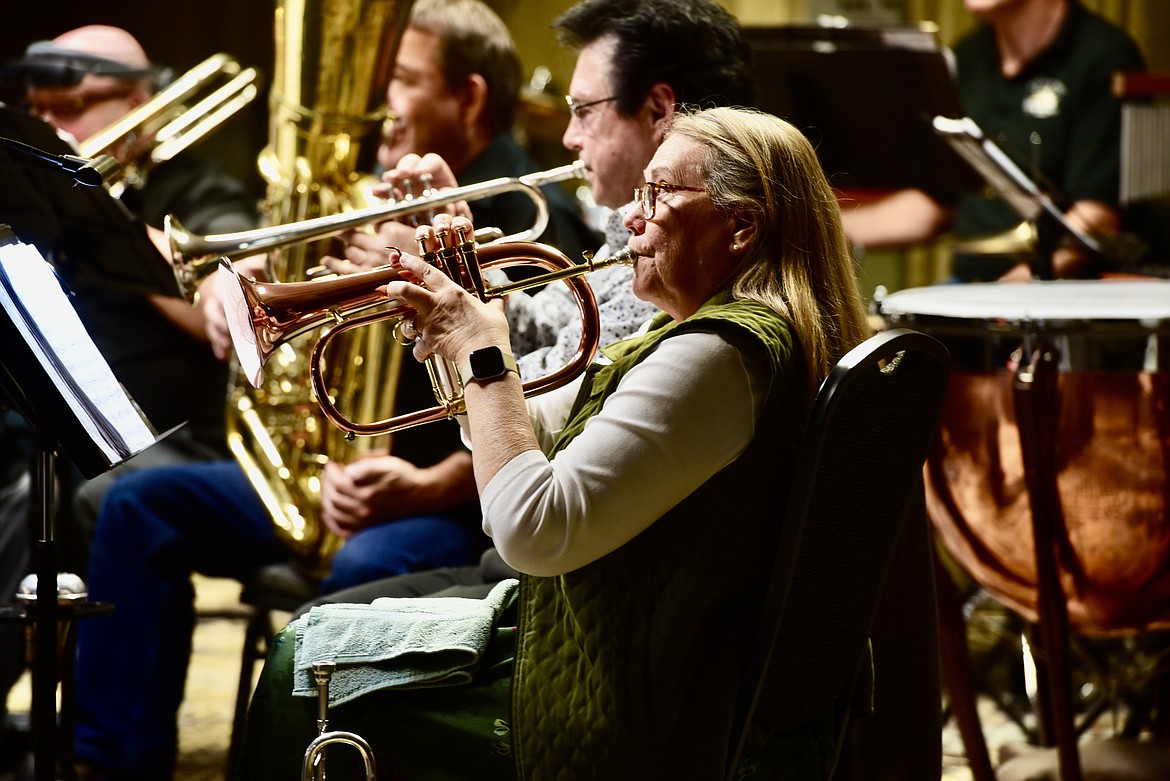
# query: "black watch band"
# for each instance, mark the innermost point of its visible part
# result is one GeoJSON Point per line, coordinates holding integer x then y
{"type": "Point", "coordinates": [486, 364]}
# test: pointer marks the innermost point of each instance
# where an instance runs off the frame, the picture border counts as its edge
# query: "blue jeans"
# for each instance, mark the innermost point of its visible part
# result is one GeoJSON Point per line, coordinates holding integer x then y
{"type": "Point", "coordinates": [155, 528]}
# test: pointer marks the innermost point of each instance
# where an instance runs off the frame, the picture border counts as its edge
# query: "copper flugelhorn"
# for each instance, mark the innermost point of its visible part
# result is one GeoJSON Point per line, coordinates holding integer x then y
{"type": "Point", "coordinates": [194, 257]}
{"type": "Point", "coordinates": [262, 316]}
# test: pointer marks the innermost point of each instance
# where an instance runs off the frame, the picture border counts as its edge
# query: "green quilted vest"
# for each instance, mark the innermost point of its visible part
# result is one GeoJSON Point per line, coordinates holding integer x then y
{"type": "Point", "coordinates": [627, 668]}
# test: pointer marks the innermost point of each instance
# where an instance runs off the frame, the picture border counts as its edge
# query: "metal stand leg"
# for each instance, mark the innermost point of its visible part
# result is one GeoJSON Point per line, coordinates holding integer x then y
{"type": "Point", "coordinates": [956, 669]}
{"type": "Point", "coordinates": [44, 673]}
{"type": "Point", "coordinates": [1036, 406]}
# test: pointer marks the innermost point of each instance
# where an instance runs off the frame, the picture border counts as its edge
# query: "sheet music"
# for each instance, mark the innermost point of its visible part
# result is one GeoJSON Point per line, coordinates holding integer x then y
{"type": "Point", "coordinates": [1022, 194]}
{"type": "Point", "coordinates": [996, 168]}
{"type": "Point", "coordinates": [32, 295]}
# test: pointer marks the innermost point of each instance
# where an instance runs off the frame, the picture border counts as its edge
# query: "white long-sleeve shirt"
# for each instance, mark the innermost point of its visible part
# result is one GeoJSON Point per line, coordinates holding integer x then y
{"type": "Point", "coordinates": [682, 414]}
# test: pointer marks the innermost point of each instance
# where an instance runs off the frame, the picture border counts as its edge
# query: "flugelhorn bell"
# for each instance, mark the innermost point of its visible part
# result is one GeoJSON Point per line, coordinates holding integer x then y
{"type": "Point", "coordinates": [194, 257]}
{"type": "Point", "coordinates": [262, 316]}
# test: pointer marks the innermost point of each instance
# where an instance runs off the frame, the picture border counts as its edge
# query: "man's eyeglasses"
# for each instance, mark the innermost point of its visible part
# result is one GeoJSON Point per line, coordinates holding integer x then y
{"type": "Point", "coordinates": [581, 111]}
{"type": "Point", "coordinates": [646, 196]}
{"type": "Point", "coordinates": [73, 106]}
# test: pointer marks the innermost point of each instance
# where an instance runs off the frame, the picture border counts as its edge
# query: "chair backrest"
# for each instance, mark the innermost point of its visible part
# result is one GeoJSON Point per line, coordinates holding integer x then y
{"type": "Point", "coordinates": [858, 466]}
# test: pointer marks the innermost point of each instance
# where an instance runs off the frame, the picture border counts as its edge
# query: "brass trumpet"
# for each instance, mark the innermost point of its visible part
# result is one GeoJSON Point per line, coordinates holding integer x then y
{"type": "Point", "coordinates": [164, 126]}
{"type": "Point", "coordinates": [262, 316]}
{"type": "Point", "coordinates": [194, 257]}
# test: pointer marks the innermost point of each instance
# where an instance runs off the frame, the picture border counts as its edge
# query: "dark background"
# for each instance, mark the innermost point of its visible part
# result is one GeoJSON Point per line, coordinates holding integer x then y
{"type": "Point", "coordinates": [176, 34]}
{"type": "Point", "coordinates": [182, 34]}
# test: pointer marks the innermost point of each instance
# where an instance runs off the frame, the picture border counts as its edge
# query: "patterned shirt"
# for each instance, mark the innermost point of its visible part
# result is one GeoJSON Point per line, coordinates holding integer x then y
{"type": "Point", "coordinates": [545, 327]}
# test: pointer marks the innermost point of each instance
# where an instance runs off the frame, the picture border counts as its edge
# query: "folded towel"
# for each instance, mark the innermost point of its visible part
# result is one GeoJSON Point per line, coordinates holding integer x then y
{"type": "Point", "coordinates": [407, 642]}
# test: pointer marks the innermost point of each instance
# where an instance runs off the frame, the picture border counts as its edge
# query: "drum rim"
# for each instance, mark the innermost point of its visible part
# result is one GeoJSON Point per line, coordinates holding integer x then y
{"type": "Point", "coordinates": [1031, 309]}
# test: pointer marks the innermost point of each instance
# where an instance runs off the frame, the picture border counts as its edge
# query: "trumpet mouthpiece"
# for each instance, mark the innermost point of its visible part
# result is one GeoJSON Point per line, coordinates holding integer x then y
{"type": "Point", "coordinates": [624, 257]}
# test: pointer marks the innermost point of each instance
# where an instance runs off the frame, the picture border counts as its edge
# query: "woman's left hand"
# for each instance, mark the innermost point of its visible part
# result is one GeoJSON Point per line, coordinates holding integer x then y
{"type": "Point", "coordinates": [448, 320]}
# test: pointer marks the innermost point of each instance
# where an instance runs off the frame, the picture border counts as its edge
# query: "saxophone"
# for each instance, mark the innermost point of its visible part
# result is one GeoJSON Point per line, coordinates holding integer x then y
{"type": "Point", "coordinates": [334, 60]}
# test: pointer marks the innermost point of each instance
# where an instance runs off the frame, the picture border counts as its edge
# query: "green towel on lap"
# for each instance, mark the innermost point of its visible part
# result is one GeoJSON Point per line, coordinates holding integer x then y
{"type": "Point", "coordinates": [400, 643]}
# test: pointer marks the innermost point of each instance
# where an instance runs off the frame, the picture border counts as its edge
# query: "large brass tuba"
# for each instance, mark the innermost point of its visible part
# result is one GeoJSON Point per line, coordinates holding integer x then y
{"type": "Point", "coordinates": [334, 59]}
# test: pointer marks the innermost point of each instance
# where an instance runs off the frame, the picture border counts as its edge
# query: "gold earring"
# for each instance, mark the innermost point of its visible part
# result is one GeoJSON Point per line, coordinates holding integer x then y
{"type": "Point", "coordinates": [735, 248]}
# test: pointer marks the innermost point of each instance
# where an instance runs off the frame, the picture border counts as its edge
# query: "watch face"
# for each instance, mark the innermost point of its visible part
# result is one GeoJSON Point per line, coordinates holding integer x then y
{"type": "Point", "coordinates": [487, 363]}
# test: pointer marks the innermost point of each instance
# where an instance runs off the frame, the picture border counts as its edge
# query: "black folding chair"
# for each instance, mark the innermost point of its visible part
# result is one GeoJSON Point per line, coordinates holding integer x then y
{"type": "Point", "coordinates": [858, 480]}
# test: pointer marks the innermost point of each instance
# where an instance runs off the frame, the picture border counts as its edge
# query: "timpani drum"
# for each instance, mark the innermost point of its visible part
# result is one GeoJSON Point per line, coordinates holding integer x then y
{"type": "Point", "coordinates": [1102, 456]}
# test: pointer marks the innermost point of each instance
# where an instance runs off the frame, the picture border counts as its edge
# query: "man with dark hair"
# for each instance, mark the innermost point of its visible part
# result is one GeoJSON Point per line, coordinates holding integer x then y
{"type": "Point", "coordinates": [695, 47]}
{"type": "Point", "coordinates": [636, 64]}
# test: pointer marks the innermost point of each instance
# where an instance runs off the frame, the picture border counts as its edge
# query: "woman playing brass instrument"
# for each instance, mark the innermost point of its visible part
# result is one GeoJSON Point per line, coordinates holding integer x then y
{"type": "Point", "coordinates": [640, 511]}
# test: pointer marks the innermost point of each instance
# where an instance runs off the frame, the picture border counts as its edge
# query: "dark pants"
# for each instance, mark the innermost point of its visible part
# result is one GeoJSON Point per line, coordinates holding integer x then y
{"type": "Point", "coordinates": [155, 528]}
{"type": "Point", "coordinates": [473, 581]}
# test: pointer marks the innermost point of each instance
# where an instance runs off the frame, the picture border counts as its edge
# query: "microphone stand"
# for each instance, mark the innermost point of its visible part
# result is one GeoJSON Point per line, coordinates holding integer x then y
{"type": "Point", "coordinates": [89, 172]}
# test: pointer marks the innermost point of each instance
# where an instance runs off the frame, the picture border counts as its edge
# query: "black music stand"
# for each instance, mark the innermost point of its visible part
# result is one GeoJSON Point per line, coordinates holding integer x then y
{"type": "Point", "coordinates": [865, 97]}
{"type": "Point", "coordinates": [46, 208]}
{"type": "Point", "coordinates": [53, 374]}
{"type": "Point", "coordinates": [1019, 191]}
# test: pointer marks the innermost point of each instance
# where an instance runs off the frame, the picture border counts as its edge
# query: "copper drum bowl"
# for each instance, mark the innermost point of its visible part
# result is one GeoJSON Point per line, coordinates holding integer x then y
{"type": "Point", "coordinates": [1111, 340]}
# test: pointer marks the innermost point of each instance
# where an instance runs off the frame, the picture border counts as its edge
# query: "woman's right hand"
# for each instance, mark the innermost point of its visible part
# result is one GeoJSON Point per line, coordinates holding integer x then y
{"type": "Point", "coordinates": [447, 320]}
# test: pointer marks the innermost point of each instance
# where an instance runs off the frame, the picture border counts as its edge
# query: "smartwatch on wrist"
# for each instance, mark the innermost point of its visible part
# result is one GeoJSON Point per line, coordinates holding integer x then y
{"type": "Point", "coordinates": [486, 364]}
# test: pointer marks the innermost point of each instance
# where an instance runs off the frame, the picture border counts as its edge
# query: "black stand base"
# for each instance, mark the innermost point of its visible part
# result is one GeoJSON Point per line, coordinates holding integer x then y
{"type": "Point", "coordinates": [53, 760]}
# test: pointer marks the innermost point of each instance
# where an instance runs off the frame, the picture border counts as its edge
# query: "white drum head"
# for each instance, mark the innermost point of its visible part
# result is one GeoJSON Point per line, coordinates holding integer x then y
{"type": "Point", "coordinates": [1093, 325]}
{"type": "Point", "coordinates": [1037, 301]}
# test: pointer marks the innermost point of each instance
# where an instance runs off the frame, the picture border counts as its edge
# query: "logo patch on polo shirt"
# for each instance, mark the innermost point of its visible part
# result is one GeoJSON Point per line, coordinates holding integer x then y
{"type": "Point", "coordinates": [1044, 98]}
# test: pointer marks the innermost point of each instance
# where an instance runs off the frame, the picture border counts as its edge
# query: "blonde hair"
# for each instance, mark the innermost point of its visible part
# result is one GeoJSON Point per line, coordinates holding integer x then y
{"type": "Point", "coordinates": [763, 171]}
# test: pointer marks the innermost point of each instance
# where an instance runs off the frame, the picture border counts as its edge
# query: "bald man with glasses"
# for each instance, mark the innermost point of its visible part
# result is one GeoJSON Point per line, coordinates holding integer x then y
{"type": "Point", "coordinates": [86, 79]}
{"type": "Point", "coordinates": [156, 343]}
